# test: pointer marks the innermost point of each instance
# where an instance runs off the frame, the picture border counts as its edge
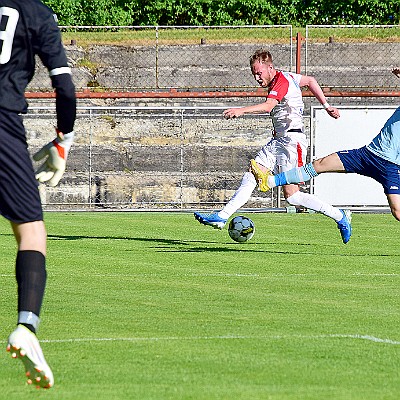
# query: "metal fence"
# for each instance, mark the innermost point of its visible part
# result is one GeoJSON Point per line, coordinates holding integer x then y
{"type": "Point", "coordinates": [152, 157]}
{"type": "Point", "coordinates": [161, 58]}
{"type": "Point", "coordinates": [169, 154]}
{"type": "Point", "coordinates": [358, 57]}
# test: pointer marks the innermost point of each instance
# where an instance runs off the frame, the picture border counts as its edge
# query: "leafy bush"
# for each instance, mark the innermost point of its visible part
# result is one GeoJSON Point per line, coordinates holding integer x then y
{"type": "Point", "coordinates": [349, 12]}
{"type": "Point", "coordinates": [211, 12]}
{"type": "Point", "coordinates": [225, 12]}
{"type": "Point", "coordinates": [91, 12]}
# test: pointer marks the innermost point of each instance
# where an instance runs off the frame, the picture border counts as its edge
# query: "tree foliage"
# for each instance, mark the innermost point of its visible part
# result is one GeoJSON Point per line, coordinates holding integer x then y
{"type": "Point", "coordinates": [225, 12]}
{"type": "Point", "coordinates": [92, 12]}
{"type": "Point", "coordinates": [350, 12]}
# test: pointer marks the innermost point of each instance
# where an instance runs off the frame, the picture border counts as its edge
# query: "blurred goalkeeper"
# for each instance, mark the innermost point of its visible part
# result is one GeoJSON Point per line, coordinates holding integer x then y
{"type": "Point", "coordinates": [29, 28]}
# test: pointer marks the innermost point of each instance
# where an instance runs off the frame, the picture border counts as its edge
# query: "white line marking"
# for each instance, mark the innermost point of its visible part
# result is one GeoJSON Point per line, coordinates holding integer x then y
{"type": "Point", "coordinates": [368, 337]}
{"type": "Point", "coordinates": [226, 275]}
{"type": "Point", "coordinates": [227, 337]}
{"type": "Point", "coordinates": [244, 275]}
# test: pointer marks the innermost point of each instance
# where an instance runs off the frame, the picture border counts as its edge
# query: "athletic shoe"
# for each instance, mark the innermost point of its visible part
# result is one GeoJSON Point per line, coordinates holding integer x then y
{"type": "Point", "coordinates": [210, 219]}
{"type": "Point", "coordinates": [344, 225]}
{"type": "Point", "coordinates": [261, 176]}
{"type": "Point", "coordinates": [23, 344]}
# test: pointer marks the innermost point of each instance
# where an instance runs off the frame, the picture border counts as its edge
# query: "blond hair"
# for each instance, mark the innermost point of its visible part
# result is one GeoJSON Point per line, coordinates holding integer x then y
{"type": "Point", "coordinates": [262, 56]}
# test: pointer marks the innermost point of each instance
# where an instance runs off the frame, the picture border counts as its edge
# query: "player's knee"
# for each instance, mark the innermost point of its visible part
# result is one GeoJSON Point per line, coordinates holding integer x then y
{"type": "Point", "coordinates": [396, 214]}
{"type": "Point", "coordinates": [295, 199]}
{"type": "Point", "coordinates": [249, 179]}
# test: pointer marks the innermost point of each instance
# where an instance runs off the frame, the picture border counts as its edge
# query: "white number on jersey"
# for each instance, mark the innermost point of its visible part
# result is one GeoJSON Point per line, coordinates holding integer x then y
{"type": "Point", "coordinates": [7, 35]}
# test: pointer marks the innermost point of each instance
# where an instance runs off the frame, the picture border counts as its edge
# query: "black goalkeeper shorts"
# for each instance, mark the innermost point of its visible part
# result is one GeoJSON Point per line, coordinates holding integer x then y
{"type": "Point", "coordinates": [19, 194]}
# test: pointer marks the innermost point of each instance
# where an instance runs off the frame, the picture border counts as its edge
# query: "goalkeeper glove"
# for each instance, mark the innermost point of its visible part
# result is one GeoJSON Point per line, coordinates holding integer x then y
{"type": "Point", "coordinates": [56, 152]}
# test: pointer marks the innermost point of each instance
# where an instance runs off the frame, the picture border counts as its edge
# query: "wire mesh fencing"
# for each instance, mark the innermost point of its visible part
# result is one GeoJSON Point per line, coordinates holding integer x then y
{"type": "Point", "coordinates": [163, 156]}
{"type": "Point", "coordinates": [152, 157]}
{"type": "Point", "coordinates": [354, 57]}
{"type": "Point", "coordinates": [165, 57]}
{"type": "Point", "coordinates": [198, 58]}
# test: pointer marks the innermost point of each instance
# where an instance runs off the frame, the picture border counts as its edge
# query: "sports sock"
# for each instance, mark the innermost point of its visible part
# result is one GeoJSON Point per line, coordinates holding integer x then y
{"type": "Point", "coordinates": [30, 271]}
{"type": "Point", "coordinates": [240, 197]}
{"type": "Point", "coordinates": [314, 203]}
{"type": "Point", "coordinates": [295, 175]}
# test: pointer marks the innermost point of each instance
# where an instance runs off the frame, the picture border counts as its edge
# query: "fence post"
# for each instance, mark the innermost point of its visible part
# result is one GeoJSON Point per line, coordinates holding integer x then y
{"type": "Point", "coordinates": [299, 38]}
{"type": "Point", "coordinates": [156, 60]}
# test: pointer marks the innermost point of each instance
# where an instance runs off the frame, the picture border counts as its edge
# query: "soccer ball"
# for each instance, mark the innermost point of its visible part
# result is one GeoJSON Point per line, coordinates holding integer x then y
{"type": "Point", "coordinates": [241, 229]}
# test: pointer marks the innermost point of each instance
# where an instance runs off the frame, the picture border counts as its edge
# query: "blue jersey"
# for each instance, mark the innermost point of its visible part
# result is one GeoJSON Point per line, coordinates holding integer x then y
{"type": "Point", "coordinates": [387, 143]}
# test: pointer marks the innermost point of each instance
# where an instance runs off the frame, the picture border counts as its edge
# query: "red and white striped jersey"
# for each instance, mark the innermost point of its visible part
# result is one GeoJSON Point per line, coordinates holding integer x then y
{"type": "Point", "coordinates": [288, 113]}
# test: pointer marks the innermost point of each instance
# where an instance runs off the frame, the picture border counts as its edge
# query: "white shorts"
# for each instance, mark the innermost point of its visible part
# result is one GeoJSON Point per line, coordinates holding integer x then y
{"type": "Point", "coordinates": [283, 153]}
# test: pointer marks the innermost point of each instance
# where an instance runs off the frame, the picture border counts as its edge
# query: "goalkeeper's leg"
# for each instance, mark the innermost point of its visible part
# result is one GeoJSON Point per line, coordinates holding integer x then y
{"type": "Point", "coordinates": [31, 282]}
{"type": "Point", "coordinates": [30, 269]}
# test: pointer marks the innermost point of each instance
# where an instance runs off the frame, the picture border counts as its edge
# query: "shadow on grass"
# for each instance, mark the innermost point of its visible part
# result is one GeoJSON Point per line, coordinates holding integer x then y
{"type": "Point", "coordinates": [136, 239]}
{"type": "Point", "coordinates": [210, 246]}
{"type": "Point", "coordinates": [172, 245]}
{"type": "Point", "coordinates": [164, 244]}
{"type": "Point", "coordinates": [167, 245]}
{"type": "Point", "coordinates": [199, 246]}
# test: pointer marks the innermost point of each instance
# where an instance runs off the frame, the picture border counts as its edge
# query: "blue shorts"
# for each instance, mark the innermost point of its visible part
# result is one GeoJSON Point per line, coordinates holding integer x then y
{"type": "Point", "coordinates": [19, 194]}
{"type": "Point", "coordinates": [363, 162]}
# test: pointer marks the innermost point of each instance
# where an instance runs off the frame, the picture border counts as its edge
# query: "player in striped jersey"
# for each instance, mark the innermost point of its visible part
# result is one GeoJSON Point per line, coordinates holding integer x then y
{"type": "Point", "coordinates": [288, 146]}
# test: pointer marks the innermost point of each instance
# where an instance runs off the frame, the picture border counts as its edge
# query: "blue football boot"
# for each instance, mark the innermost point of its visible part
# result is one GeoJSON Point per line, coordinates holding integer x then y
{"type": "Point", "coordinates": [344, 225]}
{"type": "Point", "coordinates": [210, 219]}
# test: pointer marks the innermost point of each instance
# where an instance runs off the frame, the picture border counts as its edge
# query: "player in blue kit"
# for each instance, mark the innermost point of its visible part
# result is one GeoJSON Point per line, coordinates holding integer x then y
{"type": "Point", "coordinates": [379, 160]}
{"type": "Point", "coordinates": [29, 28]}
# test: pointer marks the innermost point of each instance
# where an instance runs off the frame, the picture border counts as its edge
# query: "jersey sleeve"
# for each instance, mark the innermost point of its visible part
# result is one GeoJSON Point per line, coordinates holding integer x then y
{"type": "Point", "coordinates": [52, 54]}
{"type": "Point", "coordinates": [279, 88]}
{"type": "Point", "coordinates": [296, 77]}
{"type": "Point", "coordinates": [65, 102]}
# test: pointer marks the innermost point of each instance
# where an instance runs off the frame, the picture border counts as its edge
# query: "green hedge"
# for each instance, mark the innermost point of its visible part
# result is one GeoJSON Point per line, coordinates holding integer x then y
{"type": "Point", "coordinates": [225, 12]}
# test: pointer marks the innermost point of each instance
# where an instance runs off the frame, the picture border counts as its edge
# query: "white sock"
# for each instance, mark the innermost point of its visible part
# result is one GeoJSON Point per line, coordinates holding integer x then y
{"type": "Point", "coordinates": [314, 203]}
{"type": "Point", "coordinates": [241, 196]}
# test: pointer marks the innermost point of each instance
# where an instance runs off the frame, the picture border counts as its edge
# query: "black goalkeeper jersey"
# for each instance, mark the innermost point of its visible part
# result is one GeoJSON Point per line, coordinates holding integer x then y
{"type": "Point", "coordinates": [29, 28]}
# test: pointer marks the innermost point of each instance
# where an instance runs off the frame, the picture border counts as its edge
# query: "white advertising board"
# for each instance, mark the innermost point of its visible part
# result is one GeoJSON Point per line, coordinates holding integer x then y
{"type": "Point", "coordinates": [355, 128]}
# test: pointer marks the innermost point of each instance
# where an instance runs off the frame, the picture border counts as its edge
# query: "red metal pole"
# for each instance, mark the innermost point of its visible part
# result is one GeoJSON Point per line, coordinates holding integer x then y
{"type": "Point", "coordinates": [299, 38]}
{"type": "Point", "coordinates": [207, 94]}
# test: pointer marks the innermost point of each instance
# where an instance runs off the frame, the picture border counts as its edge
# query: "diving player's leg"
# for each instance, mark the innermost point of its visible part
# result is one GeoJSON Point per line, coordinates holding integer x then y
{"type": "Point", "coordinates": [394, 203]}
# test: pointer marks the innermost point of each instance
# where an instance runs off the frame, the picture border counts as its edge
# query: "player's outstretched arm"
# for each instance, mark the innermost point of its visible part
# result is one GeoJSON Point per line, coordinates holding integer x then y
{"type": "Point", "coordinates": [316, 90]}
{"type": "Point", "coordinates": [260, 108]}
{"type": "Point", "coordinates": [55, 158]}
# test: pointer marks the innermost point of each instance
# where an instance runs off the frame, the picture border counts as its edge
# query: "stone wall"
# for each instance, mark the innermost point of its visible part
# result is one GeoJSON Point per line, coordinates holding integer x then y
{"type": "Point", "coordinates": [132, 159]}
{"type": "Point", "coordinates": [142, 158]}
{"type": "Point", "coordinates": [198, 66]}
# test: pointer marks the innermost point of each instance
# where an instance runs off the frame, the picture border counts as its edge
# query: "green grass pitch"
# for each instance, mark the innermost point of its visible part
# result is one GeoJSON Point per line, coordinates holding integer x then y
{"type": "Point", "coordinates": [156, 306]}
